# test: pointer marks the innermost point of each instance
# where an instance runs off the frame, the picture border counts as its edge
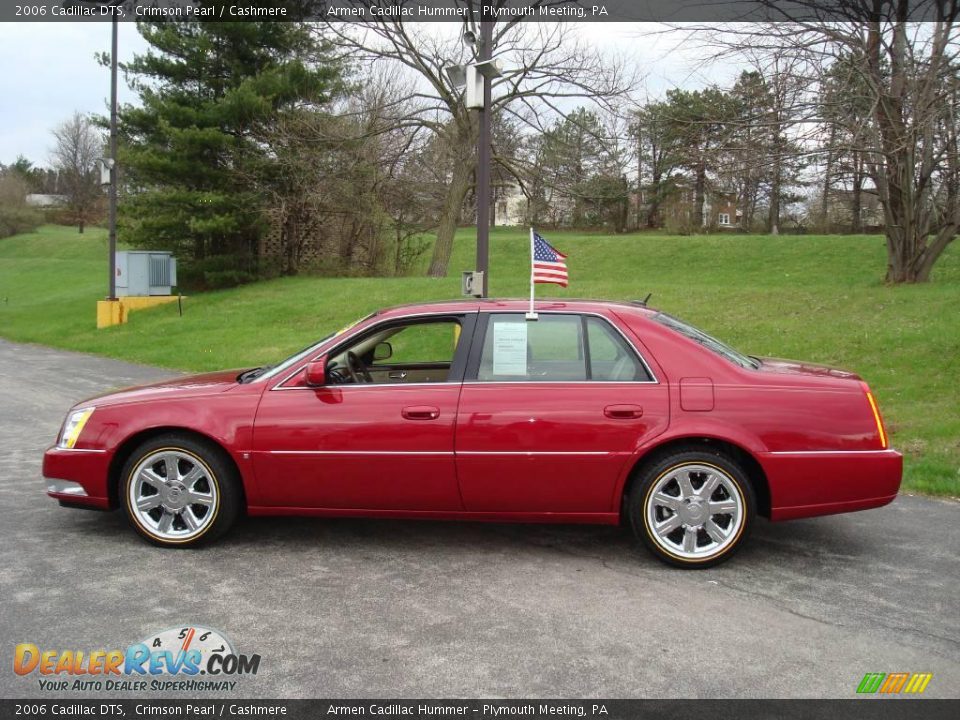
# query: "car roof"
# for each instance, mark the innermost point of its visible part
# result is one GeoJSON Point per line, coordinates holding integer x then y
{"type": "Point", "coordinates": [514, 305]}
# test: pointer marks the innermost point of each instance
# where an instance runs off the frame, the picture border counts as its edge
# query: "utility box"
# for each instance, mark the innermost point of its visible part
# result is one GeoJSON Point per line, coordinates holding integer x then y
{"type": "Point", "coordinates": [471, 283]}
{"type": "Point", "coordinates": [145, 272]}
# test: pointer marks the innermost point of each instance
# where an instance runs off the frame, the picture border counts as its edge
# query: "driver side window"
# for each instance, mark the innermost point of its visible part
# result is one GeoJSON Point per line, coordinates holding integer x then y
{"type": "Point", "coordinates": [414, 352]}
{"type": "Point", "coordinates": [422, 343]}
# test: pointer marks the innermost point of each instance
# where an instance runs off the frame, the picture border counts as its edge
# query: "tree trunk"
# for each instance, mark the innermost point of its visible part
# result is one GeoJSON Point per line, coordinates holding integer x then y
{"type": "Point", "coordinates": [624, 205]}
{"type": "Point", "coordinates": [653, 208]}
{"type": "Point", "coordinates": [776, 183]}
{"type": "Point", "coordinates": [700, 195]}
{"type": "Point", "coordinates": [639, 180]}
{"type": "Point", "coordinates": [773, 219]}
{"type": "Point", "coordinates": [856, 196]}
{"type": "Point", "coordinates": [449, 217]}
{"type": "Point", "coordinates": [827, 181]}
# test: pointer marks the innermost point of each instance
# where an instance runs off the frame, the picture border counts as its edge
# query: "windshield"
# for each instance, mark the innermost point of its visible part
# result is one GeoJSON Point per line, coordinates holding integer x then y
{"type": "Point", "coordinates": [709, 342]}
{"type": "Point", "coordinates": [309, 349]}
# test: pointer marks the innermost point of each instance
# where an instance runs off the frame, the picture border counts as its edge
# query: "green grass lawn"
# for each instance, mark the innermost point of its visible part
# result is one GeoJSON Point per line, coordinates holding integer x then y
{"type": "Point", "coordinates": [808, 297]}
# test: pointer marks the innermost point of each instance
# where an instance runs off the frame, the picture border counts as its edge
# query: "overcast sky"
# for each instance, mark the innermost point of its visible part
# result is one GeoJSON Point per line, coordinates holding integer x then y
{"type": "Point", "coordinates": [48, 71]}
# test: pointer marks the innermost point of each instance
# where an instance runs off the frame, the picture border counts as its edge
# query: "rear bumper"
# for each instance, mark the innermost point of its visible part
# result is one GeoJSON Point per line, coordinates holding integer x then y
{"type": "Point", "coordinates": [809, 483]}
{"type": "Point", "coordinates": [77, 478]}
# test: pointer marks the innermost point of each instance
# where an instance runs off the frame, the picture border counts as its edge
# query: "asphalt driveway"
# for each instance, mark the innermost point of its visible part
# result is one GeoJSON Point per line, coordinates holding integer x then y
{"type": "Point", "coordinates": [358, 608]}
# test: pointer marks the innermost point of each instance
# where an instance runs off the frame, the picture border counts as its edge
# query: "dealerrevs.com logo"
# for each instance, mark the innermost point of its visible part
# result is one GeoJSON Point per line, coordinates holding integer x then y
{"type": "Point", "coordinates": [190, 659]}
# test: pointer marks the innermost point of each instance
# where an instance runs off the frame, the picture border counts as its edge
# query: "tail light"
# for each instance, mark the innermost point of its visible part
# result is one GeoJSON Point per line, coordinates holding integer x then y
{"type": "Point", "coordinates": [876, 416]}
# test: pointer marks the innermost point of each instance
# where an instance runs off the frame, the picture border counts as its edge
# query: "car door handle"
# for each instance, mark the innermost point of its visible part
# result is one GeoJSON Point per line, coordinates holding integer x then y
{"type": "Point", "coordinates": [420, 412]}
{"type": "Point", "coordinates": [623, 412]}
{"type": "Point", "coordinates": [397, 375]}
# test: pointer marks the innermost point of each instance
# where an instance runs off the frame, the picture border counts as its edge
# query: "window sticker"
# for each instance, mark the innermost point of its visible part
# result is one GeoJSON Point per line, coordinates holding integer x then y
{"type": "Point", "coordinates": [510, 348]}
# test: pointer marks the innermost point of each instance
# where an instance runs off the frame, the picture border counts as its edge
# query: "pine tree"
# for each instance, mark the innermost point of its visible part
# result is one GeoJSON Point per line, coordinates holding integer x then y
{"type": "Point", "coordinates": [205, 90]}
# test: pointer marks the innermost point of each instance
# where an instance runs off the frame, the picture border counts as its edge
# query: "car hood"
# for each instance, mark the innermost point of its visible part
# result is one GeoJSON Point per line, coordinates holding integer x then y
{"type": "Point", "coordinates": [797, 367]}
{"type": "Point", "coordinates": [183, 386]}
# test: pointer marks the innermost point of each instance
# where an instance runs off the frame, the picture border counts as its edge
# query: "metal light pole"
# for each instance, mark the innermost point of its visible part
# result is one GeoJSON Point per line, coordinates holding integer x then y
{"type": "Point", "coordinates": [483, 157]}
{"type": "Point", "coordinates": [477, 80]}
{"type": "Point", "coordinates": [114, 16]}
{"type": "Point", "coordinates": [113, 160]}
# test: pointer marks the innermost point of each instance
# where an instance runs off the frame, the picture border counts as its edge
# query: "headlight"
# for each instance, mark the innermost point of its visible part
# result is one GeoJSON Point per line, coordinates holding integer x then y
{"type": "Point", "coordinates": [73, 427]}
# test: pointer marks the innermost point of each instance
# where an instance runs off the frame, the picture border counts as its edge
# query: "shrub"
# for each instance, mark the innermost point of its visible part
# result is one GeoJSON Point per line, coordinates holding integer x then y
{"type": "Point", "coordinates": [222, 271]}
{"type": "Point", "coordinates": [16, 220]}
{"type": "Point", "coordinates": [15, 215]}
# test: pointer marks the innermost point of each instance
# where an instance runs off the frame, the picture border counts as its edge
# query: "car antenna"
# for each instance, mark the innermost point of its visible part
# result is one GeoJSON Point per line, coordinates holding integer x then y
{"type": "Point", "coordinates": [645, 300]}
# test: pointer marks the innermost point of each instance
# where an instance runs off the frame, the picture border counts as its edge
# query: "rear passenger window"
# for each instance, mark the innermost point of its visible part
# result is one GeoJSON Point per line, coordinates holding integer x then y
{"type": "Point", "coordinates": [555, 348]}
{"type": "Point", "coordinates": [610, 357]}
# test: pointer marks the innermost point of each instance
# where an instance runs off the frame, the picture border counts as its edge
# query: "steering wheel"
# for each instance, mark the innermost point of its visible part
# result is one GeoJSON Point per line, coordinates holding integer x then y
{"type": "Point", "coordinates": [357, 369]}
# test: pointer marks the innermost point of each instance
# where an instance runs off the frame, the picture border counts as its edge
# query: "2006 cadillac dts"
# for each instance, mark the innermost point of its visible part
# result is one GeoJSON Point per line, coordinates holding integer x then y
{"type": "Point", "coordinates": [593, 413]}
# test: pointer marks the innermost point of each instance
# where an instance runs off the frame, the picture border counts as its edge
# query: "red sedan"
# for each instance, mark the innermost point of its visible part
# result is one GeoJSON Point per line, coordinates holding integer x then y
{"type": "Point", "coordinates": [594, 412]}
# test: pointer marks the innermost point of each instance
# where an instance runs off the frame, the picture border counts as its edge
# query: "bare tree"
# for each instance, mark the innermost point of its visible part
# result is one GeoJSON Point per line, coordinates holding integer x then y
{"type": "Point", "coordinates": [545, 66]}
{"type": "Point", "coordinates": [78, 147]}
{"type": "Point", "coordinates": [905, 54]}
{"type": "Point", "coordinates": [335, 183]}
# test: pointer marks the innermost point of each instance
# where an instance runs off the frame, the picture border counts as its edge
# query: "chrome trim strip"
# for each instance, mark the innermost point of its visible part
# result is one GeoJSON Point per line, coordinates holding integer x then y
{"type": "Point", "coordinates": [560, 382]}
{"type": "Point", "coordinates": [534, 452]}
{"type": "Point", "coordinates": [372, 386]}
{"type": "Point", "coordinates": [65, 487]}
{"type": "Point", "coordinates": [438, 452]}
{"type": "Point", "coordinates": [887, 451]}
{"type": "Point", "coordinates": [364, 386]}
{"type": "Point", "coordinates": [77, 450]}
{"type": "Point", "coordinates": [360, 452]}
{"type": "Point", "coordinates": [630, 344]}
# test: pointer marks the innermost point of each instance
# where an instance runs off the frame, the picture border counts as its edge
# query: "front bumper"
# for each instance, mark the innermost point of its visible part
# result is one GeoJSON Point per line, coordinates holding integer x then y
{"type": "Point", "coordinates": [77, 476]}
{"type": "Point", "coordinates": [809, 483]}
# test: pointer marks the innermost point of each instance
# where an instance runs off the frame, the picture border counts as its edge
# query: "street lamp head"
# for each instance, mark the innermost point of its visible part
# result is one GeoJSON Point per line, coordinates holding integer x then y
{"type": "Point", "coordinates": [456, 74]}
{"type": "Point", "coordinates": [490, 69]}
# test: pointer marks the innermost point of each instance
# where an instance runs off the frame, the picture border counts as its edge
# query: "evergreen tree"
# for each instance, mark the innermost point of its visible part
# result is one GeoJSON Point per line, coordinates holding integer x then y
{"type": "Point", "coordinates": [659, 153]}
{"type": "Point", "coordinates": [207, 89]}
{"type": "Point", "coordinates": [845, 103]}
{"type": "Point", "coordinates": [584, 170]}
{"type": "Point", "coordinates": [700, 122]}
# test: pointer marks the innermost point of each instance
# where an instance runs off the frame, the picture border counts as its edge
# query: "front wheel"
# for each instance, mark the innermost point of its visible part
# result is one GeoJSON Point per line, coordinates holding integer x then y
{"type": "Point", "coordinates": [692, 508]}
{"type": "Point", "coordinates": [180, 491]}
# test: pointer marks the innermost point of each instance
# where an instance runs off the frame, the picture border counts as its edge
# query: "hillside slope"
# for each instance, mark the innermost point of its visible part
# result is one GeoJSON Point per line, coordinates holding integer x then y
{"type": "Point", "coordinates": [808, 297]}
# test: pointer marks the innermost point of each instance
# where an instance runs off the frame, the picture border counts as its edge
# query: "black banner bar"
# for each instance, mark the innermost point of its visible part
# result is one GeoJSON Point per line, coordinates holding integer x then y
{"type": "Point", "coordinates": [876, 708]}
{"type": "Point", "coordinates": [456, 10]}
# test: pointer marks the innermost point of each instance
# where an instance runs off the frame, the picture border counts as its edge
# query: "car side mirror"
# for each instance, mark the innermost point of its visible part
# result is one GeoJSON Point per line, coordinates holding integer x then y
{"type": "Point", "coordinates": [382, 351]}
{"type": "Point", "coordinates": [316, 375]}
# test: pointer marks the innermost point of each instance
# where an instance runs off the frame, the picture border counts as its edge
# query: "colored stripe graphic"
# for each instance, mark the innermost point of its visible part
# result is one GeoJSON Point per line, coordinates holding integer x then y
{"type": "Point", "coordinates": [893, 683]}
{"type": "Point", "coordinates": [918, 683]}
{"type": "Point", "coordinates": [870, 683]}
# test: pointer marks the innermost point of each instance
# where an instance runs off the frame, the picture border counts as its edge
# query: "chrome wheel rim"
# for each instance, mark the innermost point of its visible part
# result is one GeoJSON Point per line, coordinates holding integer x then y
{"type": "Point", "coordinates": [173, 495]}
{"type": "Point", "coordinates": [694, 511]}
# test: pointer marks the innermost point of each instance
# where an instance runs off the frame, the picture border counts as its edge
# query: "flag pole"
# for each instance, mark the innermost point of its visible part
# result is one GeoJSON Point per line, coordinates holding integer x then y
{"type": "Point", "coordinates": [532, 315]}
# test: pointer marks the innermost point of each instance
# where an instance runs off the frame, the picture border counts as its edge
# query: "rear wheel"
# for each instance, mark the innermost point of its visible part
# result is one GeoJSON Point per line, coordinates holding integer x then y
{"type": "Point", "coordinates": [180, 491]}
{"type": "Point", "coordinates": [692, 508]}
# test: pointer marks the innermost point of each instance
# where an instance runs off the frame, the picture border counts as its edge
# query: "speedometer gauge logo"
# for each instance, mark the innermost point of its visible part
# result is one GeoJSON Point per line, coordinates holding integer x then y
{"type": "Point", "coordinates": [182, 640]}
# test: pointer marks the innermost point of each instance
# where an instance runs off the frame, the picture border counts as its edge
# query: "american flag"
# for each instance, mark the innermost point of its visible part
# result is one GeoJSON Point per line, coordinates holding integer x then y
{"type": "Point", "coordinates": [549, 265]}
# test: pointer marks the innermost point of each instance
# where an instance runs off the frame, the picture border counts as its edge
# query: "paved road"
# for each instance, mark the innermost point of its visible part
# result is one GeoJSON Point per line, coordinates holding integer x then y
{"type": "Point", "coordinates": [357, 608]}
